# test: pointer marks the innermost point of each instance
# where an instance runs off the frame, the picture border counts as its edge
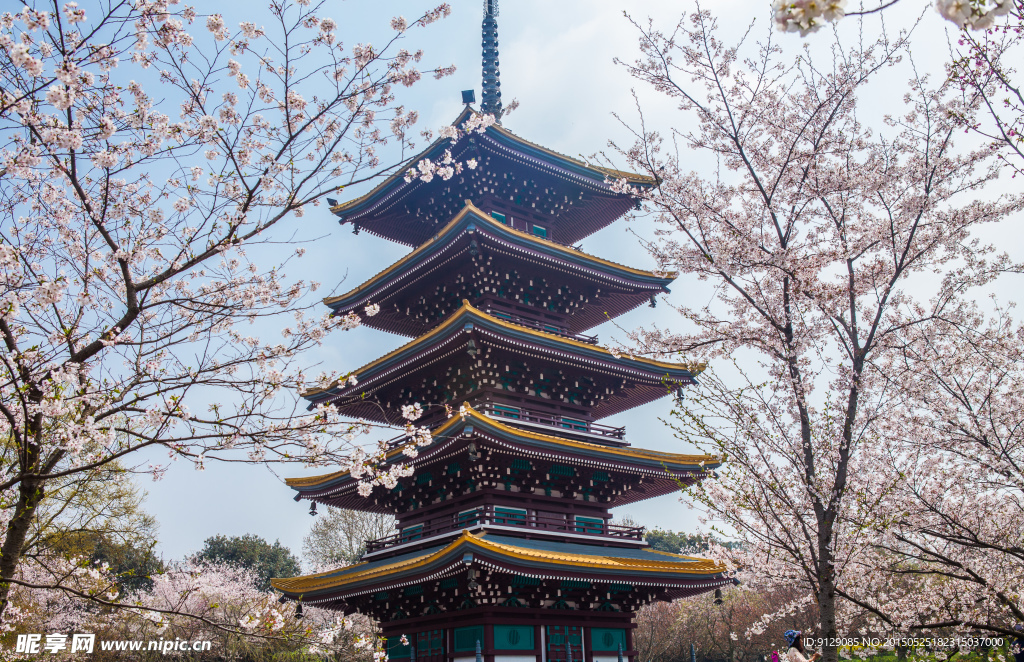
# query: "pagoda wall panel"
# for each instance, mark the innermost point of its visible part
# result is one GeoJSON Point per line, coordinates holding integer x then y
{"type": "Point", "coordinates": [552, 636]}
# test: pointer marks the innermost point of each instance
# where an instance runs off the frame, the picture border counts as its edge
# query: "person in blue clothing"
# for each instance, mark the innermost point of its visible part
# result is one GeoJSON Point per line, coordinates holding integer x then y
{"type": "Point", "coordinates": [796, 652]}
{"type": "Point", "coordinates": [1017, 645]}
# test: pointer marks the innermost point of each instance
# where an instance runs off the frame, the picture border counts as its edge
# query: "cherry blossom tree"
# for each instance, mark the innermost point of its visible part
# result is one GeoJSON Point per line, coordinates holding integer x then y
{"type": "Point", "coordinates": [35, 606]}
{"type": "Point", "coordinates": [988, 47]}
{"type": "Point", "coordinates": [958, 476]}
{"type": "Point", "coordinates": [718, 628]}
{"type": "Point", "coordinates": [218, 602]}
{"type": "Point", "coordinates": [955, 456]}
{"type": "Point", "coordinates": [152, 158]}
{"type": "Point", "coordinates": [816, 234]}
{"type": "Point", "coordinates": [984, 65]}
{"type": "Point", "coordinates": [191, 601]}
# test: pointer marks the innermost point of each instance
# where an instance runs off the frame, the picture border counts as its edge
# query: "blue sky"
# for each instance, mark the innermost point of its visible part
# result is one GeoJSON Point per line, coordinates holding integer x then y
{"type": "Point", "coordinates": [557, 60]}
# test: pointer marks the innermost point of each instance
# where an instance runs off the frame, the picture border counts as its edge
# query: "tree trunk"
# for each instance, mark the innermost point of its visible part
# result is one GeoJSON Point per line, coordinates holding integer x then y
{"type": "Point", "coordinates": [30, 494]}
{"type": "Point", "coordinates": [827, 594]}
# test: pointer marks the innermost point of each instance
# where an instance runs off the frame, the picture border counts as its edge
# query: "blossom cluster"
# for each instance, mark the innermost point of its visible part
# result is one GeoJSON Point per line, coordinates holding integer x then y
{"type": "Point", "coordinates": [806, 16]}
{"type": "Point", "coordinates": [152, 162]}
{"type": "Point", "coordinates": [973, 14]}
{"type": "Point", "coordinates": [447, 167]}
{"type": "Point", "coordinates": [209, 601]}
{"type": "Point", "coordinates": [369, 467]}
{"type": "Point", "coordinates": [872, 436]}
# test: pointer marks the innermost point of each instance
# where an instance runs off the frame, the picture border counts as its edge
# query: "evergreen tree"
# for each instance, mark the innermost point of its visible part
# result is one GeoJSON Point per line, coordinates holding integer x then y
{"type": "Point", "coordinates": [253, 553]}
{"type": "Point", "coordinates": [674, 541]}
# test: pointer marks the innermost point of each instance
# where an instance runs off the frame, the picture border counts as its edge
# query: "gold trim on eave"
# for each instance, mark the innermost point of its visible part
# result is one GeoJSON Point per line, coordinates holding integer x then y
{"type": "Point", "coordinates": [633, 177]}
{"type": "Point", "coordinates": [326, 580]}
{"type": "Point", "coordinates": [635, 453]}
{"type": "Point", "coordinates": [609, 172]}
{"type": "Point", "coordinates": [693, 368]}
{"type": "Point", "coordinates": [470, 207]}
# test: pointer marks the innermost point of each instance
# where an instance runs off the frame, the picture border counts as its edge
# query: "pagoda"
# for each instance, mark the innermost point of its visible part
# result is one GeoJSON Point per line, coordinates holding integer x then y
{"type": "Point", "coordinates": [504, 550]}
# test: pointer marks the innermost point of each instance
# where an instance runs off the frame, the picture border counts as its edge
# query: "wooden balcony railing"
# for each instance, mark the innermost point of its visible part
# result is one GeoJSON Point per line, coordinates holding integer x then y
{"type": "Point", "coordinates": [562, 422]}
{"type": "Point", "coordinates": [510, 414]}
{"type": "Point", "coordinates": [507, 516]}
{"type": "Point", "coordinates": [542, 326]}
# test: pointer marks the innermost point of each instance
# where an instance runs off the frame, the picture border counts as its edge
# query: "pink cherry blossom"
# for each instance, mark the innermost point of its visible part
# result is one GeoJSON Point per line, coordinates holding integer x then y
{"type": "Point", "coordinates": [839, 424]}
{"type": "Point", "coordinates": [140, 308]}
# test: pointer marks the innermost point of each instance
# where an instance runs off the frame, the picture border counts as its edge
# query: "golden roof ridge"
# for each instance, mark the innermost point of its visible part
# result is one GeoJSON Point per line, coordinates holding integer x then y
{"type": "Point", "coordinates": [639, 453]}
{"type": "Point", "coordinates": [281, 583]}
{"type": "Point", "coordinates": [470, 207]}
{"type": "Point", "coordinates": [609, 172]}
{"type": "Point", "coordinates": [320, 581]}
{"type": "Point", "coordinates": [693, 368]}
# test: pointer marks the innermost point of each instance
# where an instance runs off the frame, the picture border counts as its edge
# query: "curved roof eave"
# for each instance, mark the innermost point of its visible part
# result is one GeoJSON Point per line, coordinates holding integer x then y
{"type": "Point", "coordinates": [687, 371]}
{"type": "Point", "coordinates": [684, 567]}
{"type": "Point", "coordinates": [397, 179]}
{"type": "Point", "coordinates": [456, 424]}
{"type": "Point", "coordinates": [461, 220]}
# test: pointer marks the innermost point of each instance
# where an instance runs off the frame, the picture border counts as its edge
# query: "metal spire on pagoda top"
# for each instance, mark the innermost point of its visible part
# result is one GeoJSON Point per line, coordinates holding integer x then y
{"type": "Point", "coordinates": [490, 102]}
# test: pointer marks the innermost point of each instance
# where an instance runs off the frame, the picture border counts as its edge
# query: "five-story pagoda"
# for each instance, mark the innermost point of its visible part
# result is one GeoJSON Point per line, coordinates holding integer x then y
{"type": "Point", "coordinates": [504, 543]}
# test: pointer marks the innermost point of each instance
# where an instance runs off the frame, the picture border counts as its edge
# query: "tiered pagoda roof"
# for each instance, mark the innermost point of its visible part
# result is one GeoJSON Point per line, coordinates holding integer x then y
{"type": "Point", "coordinates": [609, 475]}
{"type": "Point", "coordinates": [480, 259]}
{"type": "Point", "coordinates": [568, 197]}
{"type": "Point", "coordinates": [479, 351]}
{"type": "Point", "coordinates": [578, 576]}
{"type": "Point", "coordinates": [505, 546]}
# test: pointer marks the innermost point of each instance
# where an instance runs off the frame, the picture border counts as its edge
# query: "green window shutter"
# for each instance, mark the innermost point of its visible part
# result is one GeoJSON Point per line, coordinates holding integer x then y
{"type": "Point", "coordinates": [607, 639]}
{"type": "Point", "coordinates": [430, 642]}
{"type": "Point", "coordinates": [466, 638]}
{"type": "Point", "coordinates": [589, 525]}
{"type": "Point", "coordinates": [574, 424]}
{"type": "Point", "coordinates": [396, 651]}
{"type": "Point", "coordinates": [516, 516]}
{"type": "Point", "coordinates": [507, 412]}
{"type": "Point", "coordinates": [513, 637]}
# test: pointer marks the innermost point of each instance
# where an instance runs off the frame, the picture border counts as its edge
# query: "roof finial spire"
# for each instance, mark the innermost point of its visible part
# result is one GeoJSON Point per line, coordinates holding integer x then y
{"type": "Point", "coordinates": [491, 95]}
